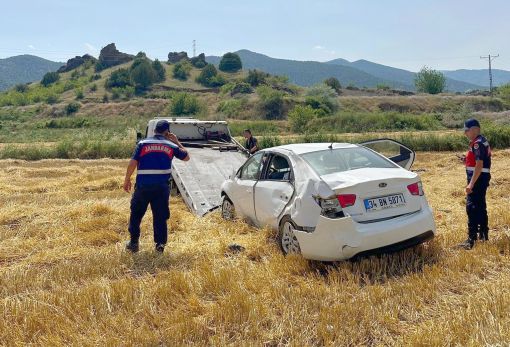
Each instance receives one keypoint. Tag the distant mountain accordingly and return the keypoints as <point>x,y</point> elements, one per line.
<point>480,77</point>
<point>403,76</point>
<point>306,73</point>
<point>361,73</point>
<point>23,69</point>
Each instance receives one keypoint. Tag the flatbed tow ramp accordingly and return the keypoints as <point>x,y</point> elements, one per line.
<point>214,156</point>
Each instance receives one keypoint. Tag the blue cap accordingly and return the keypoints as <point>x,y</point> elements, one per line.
<point>471,123</point>
<point>162,126</point>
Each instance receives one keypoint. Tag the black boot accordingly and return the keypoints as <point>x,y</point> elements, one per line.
<point>468,244</point>
<point>132,246</point>
<point>160,247</point>
<point>484,235</point>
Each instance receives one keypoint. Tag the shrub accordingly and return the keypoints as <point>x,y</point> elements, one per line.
<point>230,62</point>
<point>382,86</point>
<point>299,118</point>
<point>241,88</point>
<point>256,77</point>
<point>105,98</point>
<point>75,75</point>
<point>182,70</point>
<point>93,88</point>
<point>50,78</point>
<point>184,103</point>
<point>231,107</point>
<point>95,77</point>
<point>271,102</point>
<point>142,74</point>
<point>51,99</point>
<point>159,70</point>
<point>209,77</point>
<point>79,93</point>
<point>199,61</point>
<point>21,87</point>
<point>430,81</point>
<point>504,92</point>
<point>323,98</point>
<point>334,83</point>
<point>72,107</point>
<point>119,78</point>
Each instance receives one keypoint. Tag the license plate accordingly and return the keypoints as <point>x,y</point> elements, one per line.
<point>384,202</point>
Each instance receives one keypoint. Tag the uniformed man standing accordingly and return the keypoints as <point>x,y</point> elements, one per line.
<point>478,164</point>
<point>251,142</point>
<point>153,160</point>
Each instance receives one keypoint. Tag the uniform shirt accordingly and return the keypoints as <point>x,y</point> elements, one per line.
<point>250,143</point>
<point>154,156</point>
<point>479,149</point>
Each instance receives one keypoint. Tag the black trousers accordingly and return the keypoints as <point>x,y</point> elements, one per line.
<point>476,208</point>
<point>157,196</point>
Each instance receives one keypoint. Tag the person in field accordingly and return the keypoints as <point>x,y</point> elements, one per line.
<point>478,165</point>
<point>152,159</point>
<point>251,143</point>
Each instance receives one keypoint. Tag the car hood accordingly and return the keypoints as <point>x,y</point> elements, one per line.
<point>352,177</point>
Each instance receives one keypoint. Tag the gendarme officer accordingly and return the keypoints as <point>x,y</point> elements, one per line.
<point>153,160</point>
<point>478,165</point>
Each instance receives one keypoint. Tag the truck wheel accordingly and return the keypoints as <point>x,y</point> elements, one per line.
<point>286,238</point>
<point>227,209</point>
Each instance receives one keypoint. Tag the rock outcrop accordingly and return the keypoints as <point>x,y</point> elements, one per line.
<point>73,63</point>
<point>175,57</point>
<point>111,56</point>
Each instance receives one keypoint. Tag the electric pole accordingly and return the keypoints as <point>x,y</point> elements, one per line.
<point>490,58</point>
<point>194,49</point>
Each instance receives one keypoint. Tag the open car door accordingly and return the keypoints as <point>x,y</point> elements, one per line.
<point>393,150</point>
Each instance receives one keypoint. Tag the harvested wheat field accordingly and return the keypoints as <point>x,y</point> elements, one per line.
<point>65,278</point>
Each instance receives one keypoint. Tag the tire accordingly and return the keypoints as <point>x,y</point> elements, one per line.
<point>286,238</point>
<point>228,211</point>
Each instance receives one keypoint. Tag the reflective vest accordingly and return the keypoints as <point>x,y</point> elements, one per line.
<point>479,149</point>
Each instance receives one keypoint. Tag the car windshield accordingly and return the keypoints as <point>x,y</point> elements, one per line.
<point>345,159</point>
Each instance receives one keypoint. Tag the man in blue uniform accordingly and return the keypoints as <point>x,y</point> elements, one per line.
<point>153,160</point>
<point>478,165</point>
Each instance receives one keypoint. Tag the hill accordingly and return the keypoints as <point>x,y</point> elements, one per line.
<point>361,73</point>
<point>404,77</point>
<point>23,69</point>
<point>480,77</point>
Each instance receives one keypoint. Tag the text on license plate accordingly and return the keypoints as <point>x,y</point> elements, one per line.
<point>384,202</point>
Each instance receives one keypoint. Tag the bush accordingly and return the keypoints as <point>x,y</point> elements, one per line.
<point>93,88</point>
<point>209,77</point>
<point>119,79</point>
<point>256,77</point>
<point>72,107</point>
<point>299,118</point>
<point>271,102</point>
<point>143,74</point>
<point>504,92</point>
<point>334,83</point>
<point>159,70</point>
<point>382,86</point>
<point>51,99</point>
<point>50,78</point>
<point>95,77</point>
<point>184,104</point>
<point>182,70</point>
<point>21,87</point>
<point>430,81</point>
<point>79,94</point>
<point>230,62</point>
<point>322,97</point>
<point>75,75</point>
<point>231,107</point>
<point>241,88</point>
<point>105,98</point>
<point>199,61</point>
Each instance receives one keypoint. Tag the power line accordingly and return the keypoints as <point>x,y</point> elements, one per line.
<point>490,58</point>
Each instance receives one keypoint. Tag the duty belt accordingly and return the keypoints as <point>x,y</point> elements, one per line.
<point>154,172</point>
<point>472,169</point>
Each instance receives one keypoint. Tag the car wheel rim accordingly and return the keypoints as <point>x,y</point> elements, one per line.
<point>290,243</point>
<point>227,210</point>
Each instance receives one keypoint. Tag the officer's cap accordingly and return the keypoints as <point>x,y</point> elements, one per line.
<point>471,123</point>
<point>162,126</point>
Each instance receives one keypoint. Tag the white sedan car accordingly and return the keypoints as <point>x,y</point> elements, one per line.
<point>333,201</point>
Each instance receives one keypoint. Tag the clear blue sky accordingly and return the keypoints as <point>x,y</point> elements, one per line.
<point>401,33</point>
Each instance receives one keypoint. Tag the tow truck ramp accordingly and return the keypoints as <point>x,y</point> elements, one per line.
<point>214,156</point>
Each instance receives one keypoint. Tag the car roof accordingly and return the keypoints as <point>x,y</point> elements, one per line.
<point>301,148</point>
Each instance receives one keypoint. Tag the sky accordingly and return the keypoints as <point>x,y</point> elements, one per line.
<point>408,34</point>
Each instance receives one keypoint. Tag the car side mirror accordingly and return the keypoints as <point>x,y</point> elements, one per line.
<point>138,137</point>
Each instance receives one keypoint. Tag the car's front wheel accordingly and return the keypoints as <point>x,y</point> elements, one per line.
<point>227,209</point>
<point>286,238</point>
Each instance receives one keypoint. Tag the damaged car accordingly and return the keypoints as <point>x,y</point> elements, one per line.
<point>333,201</point>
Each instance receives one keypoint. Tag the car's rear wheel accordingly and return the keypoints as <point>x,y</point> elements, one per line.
<point>228,211</point>
<point>286,238</point>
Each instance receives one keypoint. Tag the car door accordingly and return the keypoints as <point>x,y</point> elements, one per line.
<point>274,190</point>
<point>393,150</point>
<point>245,180</point>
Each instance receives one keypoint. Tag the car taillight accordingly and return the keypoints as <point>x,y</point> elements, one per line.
<point>330,207</point>
<point>415,188</point>
<point>346,200</point>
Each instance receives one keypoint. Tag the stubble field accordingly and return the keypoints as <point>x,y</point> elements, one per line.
<point>65,278</point>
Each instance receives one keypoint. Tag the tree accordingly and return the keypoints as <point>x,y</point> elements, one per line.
<point>119,79</point>
<point>334,83</point>
<point>49,78</point>
<point>181,70</point>
<point>429,81</point>
<point>184,103</point>
<point>230,62</point>
<point>143,74</point>
<point>300,116</point>
<point>209,77</point>
<point>256,78</point>
<point>272,102</point>
<point>322,98</point>
<point>159,70</point>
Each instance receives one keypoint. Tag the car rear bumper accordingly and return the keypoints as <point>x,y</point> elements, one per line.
<point>343,238</point>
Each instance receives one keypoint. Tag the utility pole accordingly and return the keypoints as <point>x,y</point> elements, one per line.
<point>194,48</point>
<point>490,58</point>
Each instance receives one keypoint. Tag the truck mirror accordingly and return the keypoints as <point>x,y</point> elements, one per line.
<point>138,137</point>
